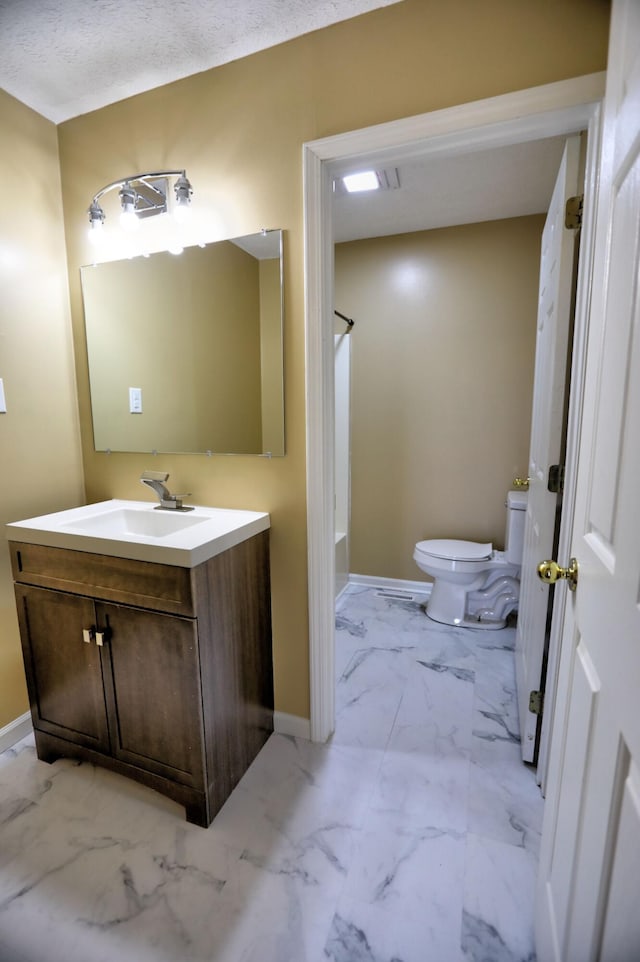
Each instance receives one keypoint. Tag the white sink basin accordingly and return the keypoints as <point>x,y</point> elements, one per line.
<point>153,524</point>
<point>137,530</point>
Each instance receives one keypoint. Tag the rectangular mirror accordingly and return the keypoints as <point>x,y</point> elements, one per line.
<point>186,351</point>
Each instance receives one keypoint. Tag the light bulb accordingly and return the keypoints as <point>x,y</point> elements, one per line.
<point>183,191</point>
<point>96,233</point>
<point>181,212</point>
<point>96,220</point>
<point>128,218</point>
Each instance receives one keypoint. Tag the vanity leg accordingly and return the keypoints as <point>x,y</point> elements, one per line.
<point>44,750</point>
<point>197,812</point>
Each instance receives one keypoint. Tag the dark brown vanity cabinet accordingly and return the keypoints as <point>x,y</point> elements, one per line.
<point>158,672</point>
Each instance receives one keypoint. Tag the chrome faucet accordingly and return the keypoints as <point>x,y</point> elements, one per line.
<point>168,502</point>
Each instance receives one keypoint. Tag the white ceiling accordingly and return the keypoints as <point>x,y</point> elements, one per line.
<point>64,58</point>
<point>67,57</point>
<point>445,191</point>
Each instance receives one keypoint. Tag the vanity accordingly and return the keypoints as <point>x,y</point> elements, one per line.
<point>146,638</point>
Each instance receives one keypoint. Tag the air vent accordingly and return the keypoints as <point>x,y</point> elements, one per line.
<point>396,595</point>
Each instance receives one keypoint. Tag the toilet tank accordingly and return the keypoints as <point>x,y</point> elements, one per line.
<point>516,517</point>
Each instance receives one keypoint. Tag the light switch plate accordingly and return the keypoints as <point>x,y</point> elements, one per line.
<point>135,400</point>
<point>3,403</point>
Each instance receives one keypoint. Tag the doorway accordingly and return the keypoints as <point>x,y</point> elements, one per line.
<point>562,108</point>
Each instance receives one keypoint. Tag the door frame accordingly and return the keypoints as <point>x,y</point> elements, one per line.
<point>564,107</point>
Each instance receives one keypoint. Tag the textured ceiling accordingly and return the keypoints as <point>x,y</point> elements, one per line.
<point>67,57</point>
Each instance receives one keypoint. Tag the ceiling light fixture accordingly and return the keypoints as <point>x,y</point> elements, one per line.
<point>141,196</point>
<point>366,180</point>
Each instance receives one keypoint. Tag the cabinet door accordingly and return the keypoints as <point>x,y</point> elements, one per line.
<point>153,691</point>
<point>64,672</point>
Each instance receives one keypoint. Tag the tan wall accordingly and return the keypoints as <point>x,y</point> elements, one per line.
<point>238,130</point>
<point>40,459</point>
<point>442,378</point>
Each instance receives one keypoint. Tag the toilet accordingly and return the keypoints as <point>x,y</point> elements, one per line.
<point>476,586</point>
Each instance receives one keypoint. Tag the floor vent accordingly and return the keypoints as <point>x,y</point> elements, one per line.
<point>398,595</point>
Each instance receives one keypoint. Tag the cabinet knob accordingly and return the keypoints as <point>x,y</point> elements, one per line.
<point>87,635</point>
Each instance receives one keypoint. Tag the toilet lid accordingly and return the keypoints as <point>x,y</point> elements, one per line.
<point>451,550</point>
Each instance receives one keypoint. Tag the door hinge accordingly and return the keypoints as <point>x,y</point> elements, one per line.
<point>536,700</point>
<point>555,482</point>
<point>573,212</point>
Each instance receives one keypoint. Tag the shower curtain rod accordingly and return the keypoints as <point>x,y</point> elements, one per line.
<point>344,317</point>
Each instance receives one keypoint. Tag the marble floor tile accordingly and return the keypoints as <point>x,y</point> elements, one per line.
<point>411,836</point>
<point>505,803</point>
<point>495,689</point>
<point>418,785</point>
<point>425,771</point>
<point>100,868</point>
<point>368,696</point>
<point>386,610</point>
<point>452,648</point>
<point>493,726</point>
<point>437,694</point>
<point>503,639</point>
<point>499,892</point>
<point>271,914</point>
<point>403,895</point>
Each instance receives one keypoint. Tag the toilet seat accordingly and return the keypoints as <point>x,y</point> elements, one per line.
<point>449,549</point>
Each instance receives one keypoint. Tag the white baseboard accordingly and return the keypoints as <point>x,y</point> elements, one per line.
<point>14,731</point>
<point>393,584</point>
<point>285,724</point>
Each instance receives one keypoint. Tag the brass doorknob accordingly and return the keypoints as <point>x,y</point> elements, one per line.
<point>551,571</point>
<point>521,482</point>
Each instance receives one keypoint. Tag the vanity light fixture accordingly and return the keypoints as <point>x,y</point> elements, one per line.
<point>128,216</point>
<point>183,192</point>
<point>96,221</point>
<point>142,195</point>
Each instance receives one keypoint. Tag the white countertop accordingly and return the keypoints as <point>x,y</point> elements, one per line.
<point>138,530</point>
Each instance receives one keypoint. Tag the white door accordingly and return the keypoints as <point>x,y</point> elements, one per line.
<point>588,904</point>
<point>547,419</point>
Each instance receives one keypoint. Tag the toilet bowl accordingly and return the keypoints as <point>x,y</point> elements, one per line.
<point>475,586</point>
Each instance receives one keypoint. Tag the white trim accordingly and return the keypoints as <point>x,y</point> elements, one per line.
<point>319,348</point>
<point>545,111</point>
<point>284,724</point>
<point>563,107</point>
<point>393,584</point>
<point>16,730</point>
